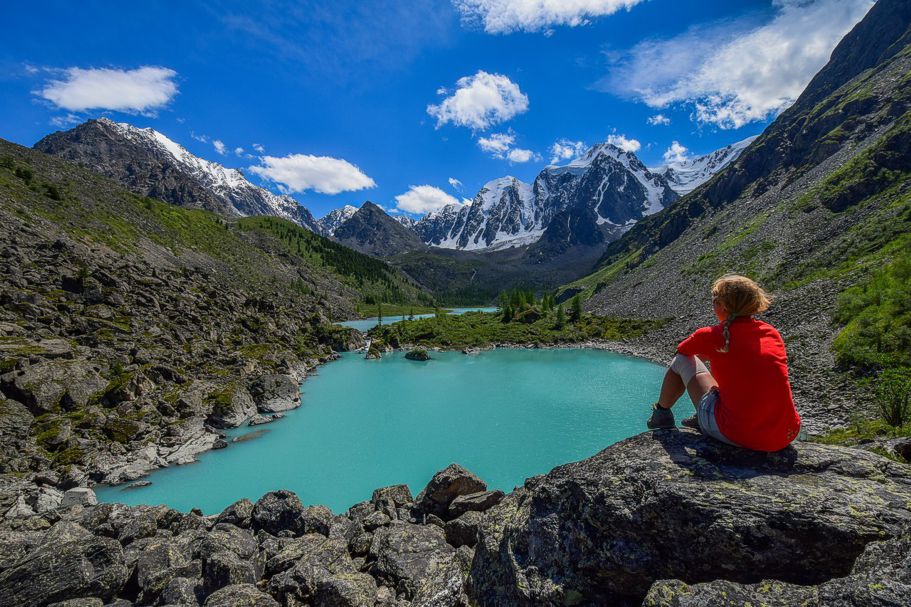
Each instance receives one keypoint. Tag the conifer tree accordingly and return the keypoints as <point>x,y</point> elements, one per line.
<point>576,313</point>
<point>379,313</point>
<point>561,317</point>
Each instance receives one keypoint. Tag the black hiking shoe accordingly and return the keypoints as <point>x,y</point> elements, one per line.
<point>661,418</point>
<point>690,422</point>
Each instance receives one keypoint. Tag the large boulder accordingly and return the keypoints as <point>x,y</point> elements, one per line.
<point>417,562</point>
<point>54,384</point>
<point>676,505</point>
<point>231,406</point>
<point>445,486</point>
<point>881,576</point>
<point>477,502</point>
<point>275,392</point>
<point>69,563</point>
<point>240,595</point>
<point>313,560</point>
<point>277,511</point>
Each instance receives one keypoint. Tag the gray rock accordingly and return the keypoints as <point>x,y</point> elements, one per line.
<point>346,590</point>
<point>181,591</point>
<point>232,407</point>
<point>226,569</point>
<point>239,514</point>
<point>273,393</point>
<point>314,560</point>
<point>312,547</point>
<point>463,531</point>
<point>880,576</point>
<point>54,384</point>
<point>477,502</point>
<point>278,511</point>
<point>676,505</point>
<point>417,562</point>
<point>240,595</point>
<point>418,354</point>
<point>445,486</point>
<point>82,496</point>
<point>70,563</point>
<point>228,538</point>
<point>85,602</point>
<point>315,519</point>
<point>158,563</point>
<point>399,495</point>
<point>376,520</point>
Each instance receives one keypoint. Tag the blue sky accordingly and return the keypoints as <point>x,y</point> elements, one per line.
<point>345,101</point>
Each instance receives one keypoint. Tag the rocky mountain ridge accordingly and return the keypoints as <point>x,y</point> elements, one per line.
<point>330,222</point>
<point>686,174</point>
<point>132,330</point>
<point>815,205</point>
<point>150,164</point>
<point>372,231</point>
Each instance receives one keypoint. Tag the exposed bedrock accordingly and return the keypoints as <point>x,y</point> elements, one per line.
<point>669,518</point>
<point>675,505</point>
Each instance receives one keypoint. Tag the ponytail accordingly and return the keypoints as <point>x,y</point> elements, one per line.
<point>727,333</point>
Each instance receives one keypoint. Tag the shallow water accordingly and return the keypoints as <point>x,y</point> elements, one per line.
<point>365,324</point>
<point>503,414</point>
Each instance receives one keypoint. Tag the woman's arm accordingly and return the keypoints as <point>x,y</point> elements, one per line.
<point>702,343</point>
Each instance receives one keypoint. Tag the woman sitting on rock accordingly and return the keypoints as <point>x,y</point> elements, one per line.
<point>746,400</point>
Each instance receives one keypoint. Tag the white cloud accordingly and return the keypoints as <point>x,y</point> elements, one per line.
<point>455,183</point>
<point>480,101</point>
<point>675,153</point>
<point>497,144</point>
<point>323,174</point>
<point>565,149</point>
<point>520,155</point>
<point>239,151</point>
<point>66,121</point>
<point>659,119</point>
<point>505,16</point>
<point>142,90</point>
<point>627,145</point>
<point>220,147</point>
<point>258,148</point>
<point>735,72</point>
<point>421,199</point>
<point>203,138</point>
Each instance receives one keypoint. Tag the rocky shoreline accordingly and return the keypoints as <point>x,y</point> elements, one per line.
<point>680,520</point>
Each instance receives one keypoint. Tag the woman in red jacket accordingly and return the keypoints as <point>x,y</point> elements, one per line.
<point>746,399</point>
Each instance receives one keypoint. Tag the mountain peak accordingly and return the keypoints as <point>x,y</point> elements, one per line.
<point>151,164</point>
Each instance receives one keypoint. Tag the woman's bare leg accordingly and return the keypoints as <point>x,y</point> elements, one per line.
<point>671,389</point>
<point>699,386</point>
<point>673,386</point>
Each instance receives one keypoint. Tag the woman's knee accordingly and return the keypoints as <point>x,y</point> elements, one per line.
<point>687,367</point>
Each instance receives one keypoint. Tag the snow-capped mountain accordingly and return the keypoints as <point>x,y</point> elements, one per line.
<point>335,218</point>
<point>688,174</point>
<point>503,214</point>
<point>151,164</point>
<point>607,186</point>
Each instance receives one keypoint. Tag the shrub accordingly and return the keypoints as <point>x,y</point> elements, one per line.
<point>893,396</point>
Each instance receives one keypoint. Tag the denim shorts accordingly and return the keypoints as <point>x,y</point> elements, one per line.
<point>705,413</point>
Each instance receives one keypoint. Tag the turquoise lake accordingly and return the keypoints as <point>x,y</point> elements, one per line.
<point>504,414</point>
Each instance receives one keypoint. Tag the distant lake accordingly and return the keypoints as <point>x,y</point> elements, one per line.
<point>504,414</point>
<point>365,324</point>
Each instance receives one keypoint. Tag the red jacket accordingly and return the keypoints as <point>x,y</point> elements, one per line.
<point>756,409</point>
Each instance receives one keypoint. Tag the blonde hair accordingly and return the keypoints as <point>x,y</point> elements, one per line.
<point>739,296</point>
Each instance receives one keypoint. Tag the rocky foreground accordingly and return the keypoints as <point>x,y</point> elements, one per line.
<point>668,518</point>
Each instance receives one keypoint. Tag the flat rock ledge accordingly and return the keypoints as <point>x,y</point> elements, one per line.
<point>674,505</point>
<point>664,519</point>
